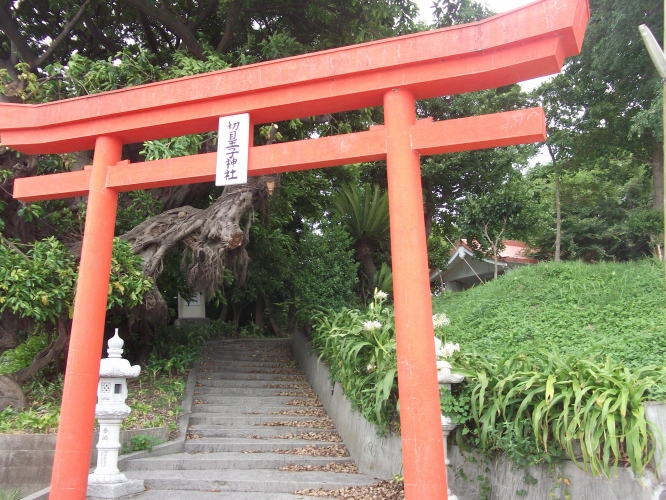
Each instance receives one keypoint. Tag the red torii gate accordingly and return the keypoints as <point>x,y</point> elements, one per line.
<point>526,43</point>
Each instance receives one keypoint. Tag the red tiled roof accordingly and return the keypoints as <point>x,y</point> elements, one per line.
<point>514,251</point>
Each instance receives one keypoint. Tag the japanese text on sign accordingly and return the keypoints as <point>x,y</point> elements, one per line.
<point>232,150</point>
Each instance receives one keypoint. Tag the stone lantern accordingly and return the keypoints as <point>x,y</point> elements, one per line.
<point>107,481</point>
<point>446,378</point>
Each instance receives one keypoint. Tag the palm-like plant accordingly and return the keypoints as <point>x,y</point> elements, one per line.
<point>364,212</point>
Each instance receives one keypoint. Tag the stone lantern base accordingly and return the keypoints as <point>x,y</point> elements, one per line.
<point>114,490</point>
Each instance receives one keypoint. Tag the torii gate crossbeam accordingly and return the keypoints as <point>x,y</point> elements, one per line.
<point>526,43</point>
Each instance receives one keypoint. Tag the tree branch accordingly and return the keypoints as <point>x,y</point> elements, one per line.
<point>98,35</point>
<point>232,16</point>
<point>151,41</point>
<point>13,32</point>
<point>205,12</point>
<point>45,356</point>
<point>14,247</point>
<point>173,23</point>
<point>61,37</point>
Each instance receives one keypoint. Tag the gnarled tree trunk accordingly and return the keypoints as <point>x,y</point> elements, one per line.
<point>210,234</point>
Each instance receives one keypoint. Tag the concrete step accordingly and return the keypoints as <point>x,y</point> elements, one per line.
<point>212,398</point>
<point>268,361</point>
<point>233,409</point>
<point>243,341</point>
<point>217,444</point>
<point>242,431</point>
<point>264,480</point>
<point>206,495</point>
<point>207,419</point>
<point>221,390</point>
<point>260,376</point>
<point>229,460</point>
<point>279,370</point>
<point>231,403</point>
<point>250,377</point>
<point>252,362</point>
<point>260,384</point>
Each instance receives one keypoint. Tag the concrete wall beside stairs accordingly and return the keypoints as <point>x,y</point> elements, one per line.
<point>26,460</point>
<point>471,476</point>
<point>379,456</point>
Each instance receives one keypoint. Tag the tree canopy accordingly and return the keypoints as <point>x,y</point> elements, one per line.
<point>604,125</point>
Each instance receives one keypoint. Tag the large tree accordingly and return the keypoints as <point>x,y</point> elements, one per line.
<point>604,119</point>
<point>59,49</point>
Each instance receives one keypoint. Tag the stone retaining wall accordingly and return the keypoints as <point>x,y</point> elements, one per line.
<point>374,455</point>
<point>26,460</point>
<point>472,476</point>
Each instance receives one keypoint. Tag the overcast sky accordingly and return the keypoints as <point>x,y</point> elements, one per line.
<point>425,6</point>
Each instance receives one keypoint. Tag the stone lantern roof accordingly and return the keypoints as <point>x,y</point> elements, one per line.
<point>114,365</point>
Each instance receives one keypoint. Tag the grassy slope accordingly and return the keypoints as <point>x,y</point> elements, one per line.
<point>614,308</point>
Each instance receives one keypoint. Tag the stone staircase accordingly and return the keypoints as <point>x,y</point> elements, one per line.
<point>257,431</point>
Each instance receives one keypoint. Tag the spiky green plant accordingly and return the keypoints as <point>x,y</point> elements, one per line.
<point>359,348</point>
<point>364,212</point>
<point>554,399</point>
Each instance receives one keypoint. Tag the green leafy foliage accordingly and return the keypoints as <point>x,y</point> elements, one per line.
<point>530,401</point>
<point>22,355</point>
<point>142,205</point>
<point>327,272</point>
<point>607,212</point>
<point>139,443</point>
<point>10,495</point>
<point>41,284</point>
<point>127,283</point>
<point>43,420</point>
<point>364,212</point>
<point>359,348</point>
<point>486,220</point>
<point>42,416</point>
<point>174,350</point>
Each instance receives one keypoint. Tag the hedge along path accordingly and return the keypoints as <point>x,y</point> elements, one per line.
<point>522,44</point>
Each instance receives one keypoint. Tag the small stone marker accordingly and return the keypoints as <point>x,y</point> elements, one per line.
<point>192,312</point>
<point>11,394</point>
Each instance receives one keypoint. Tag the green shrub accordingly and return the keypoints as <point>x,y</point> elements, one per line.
<point>10,495</point>
<point>534,391</point>
<point>139,443</point>
<point>327,272</point>
<point>608,307</point>
<point>41,284</point>
<point>41,420</point>
<point>532,401</point>
<point>176,349</point>
<point>359,348</point>
<point>22,355</point>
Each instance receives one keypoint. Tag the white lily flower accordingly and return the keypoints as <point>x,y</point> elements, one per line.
<point>369,326</point>
<point>439,320</point>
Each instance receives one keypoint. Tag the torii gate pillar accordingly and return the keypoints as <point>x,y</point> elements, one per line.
<point>69,478</point>
<point>420,425</point>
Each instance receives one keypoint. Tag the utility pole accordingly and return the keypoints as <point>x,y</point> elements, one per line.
<point>659,60</point>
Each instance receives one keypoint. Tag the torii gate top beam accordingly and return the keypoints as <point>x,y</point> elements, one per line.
<point>525,43</point>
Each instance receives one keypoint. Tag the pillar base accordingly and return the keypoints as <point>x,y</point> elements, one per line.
<point>115,490</point>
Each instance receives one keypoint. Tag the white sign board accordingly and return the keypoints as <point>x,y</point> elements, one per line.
<point>232,149</point>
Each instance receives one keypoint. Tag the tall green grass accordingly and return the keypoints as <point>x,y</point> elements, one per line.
<point>609,308</point>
